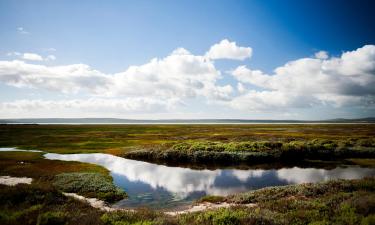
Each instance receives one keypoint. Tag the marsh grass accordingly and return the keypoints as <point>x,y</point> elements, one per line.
<point>92,185</point>
<point>333,202</point>
<point>42,204</point>
<point>32,164</point>
<point>256,152</point>
<point>119,139</point>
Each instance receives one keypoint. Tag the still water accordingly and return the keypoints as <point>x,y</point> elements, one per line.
<point>160,186</point>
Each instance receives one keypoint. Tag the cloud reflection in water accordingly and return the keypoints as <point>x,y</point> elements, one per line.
<point>138,177</point>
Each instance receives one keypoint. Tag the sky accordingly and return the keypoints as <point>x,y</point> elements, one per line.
<point>187,59</point>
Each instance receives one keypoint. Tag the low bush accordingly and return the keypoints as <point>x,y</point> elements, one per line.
<point>90,185</point>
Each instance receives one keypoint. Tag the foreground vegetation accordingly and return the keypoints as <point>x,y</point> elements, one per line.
<point>43,202</point>
<point>85,179</point>
<point>334,202</point>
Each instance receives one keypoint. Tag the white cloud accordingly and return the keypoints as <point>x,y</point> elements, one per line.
<point>180,74</point>
<point>66,79</point>
<point>347,80</point>
<point>321,55</point>
<point>50,58</point>
<point>14,54</point>
<point>32,57</point>
<point>241,88</point>
<point>228,50</point>
<point>86,107</point>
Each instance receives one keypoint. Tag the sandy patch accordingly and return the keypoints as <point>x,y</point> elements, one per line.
<point>207,206</point>
<point>94,202</point>
<point>99,204</point>
<point>11,181</point>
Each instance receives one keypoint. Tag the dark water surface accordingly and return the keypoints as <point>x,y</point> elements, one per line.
<point>160,186</point>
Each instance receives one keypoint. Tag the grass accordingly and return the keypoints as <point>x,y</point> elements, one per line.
<point>122,138</point>
<point>86,179</point>
<point>334,202</point>
<point>233,144</point>
<point>253,152</point>
<point>42,202</point>
<point>89,184</point>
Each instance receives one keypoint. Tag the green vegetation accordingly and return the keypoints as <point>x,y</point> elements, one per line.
<point>251,152</point>
<point>334,202</point>
<point>117,139</point>
<point>42,202</point>
<point>86,179</point>
<point>231,144</point>
<point>89,184</point>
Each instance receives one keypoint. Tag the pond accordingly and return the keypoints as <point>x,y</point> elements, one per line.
<point>159,186</point>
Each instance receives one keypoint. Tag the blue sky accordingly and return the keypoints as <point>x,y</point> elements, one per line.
<point>111,36</point>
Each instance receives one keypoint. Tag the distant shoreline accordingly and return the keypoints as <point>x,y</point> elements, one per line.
<point>113,121</point>
<point>197,123</point>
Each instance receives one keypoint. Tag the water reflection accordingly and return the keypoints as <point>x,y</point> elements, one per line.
<point>17,150</point>
<point>158,186</point>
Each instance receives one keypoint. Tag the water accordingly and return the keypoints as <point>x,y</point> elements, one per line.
<point>160,186</point>
<point>17,150</point>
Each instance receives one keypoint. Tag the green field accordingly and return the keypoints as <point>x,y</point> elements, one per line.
<point>200,144</point>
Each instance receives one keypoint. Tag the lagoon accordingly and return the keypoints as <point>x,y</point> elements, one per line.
<point>159,186</point>
<point>166,187</point>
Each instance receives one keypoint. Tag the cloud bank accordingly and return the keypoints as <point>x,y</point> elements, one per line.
<point>163,83</point>
<point>347,80</point>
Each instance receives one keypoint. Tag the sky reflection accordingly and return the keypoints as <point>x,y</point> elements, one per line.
<point>150,184</point>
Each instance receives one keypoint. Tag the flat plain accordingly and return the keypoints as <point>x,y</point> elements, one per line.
<point>195,146</point>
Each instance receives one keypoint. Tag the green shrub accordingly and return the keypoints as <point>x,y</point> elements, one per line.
<point>90,185</point>
<point>141,217</point>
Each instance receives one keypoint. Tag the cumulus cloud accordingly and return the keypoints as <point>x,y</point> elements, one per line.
<point>181,74</point>
<point>347,80</point>
<point>229,50</point>
<point>32,57</point>
<point>321,55</point>
<point>339,81</point>
<point>66,79</point>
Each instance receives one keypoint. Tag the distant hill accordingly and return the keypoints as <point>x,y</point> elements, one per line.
<point>196,121</point>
